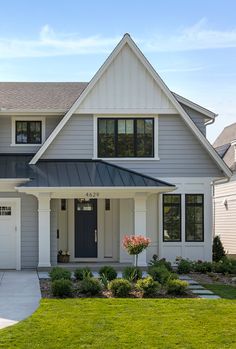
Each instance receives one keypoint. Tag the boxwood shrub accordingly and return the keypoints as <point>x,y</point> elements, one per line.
<point>58,273</point>
<point>177,287</point>
<point>90,286</point>
<point>82,273</point>
<point>148,286</point>
<point>120,287</point>
<point>62,288</point>
<point>109,272</point>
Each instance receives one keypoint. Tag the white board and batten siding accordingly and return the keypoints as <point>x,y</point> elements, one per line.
<point>126,86</point>
<point>225,214</point>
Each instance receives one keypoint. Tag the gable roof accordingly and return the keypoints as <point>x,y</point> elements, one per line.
<point>33,96</point>
<point>225,147</point>
<point>127,40</point>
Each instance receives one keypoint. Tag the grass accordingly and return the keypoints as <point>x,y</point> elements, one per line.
<point>126,323</point>
<point>224,291</point>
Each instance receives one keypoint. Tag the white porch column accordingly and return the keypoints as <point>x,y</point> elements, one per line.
<point>140,222</point>
<point>44,230</point>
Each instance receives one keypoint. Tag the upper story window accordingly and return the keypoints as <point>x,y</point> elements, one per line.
<point>126,137</point>
<point>28,130</point>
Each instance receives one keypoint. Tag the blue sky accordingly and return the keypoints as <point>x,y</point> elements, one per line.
<point>191,44</point>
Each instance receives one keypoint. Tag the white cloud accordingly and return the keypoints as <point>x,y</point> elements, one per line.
<point>196,37</point>
<point>50,43</point>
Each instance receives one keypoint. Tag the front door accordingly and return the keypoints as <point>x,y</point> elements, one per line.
<point>85,228</point>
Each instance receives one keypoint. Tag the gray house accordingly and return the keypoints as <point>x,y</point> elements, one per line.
<point>225,191</point>
<point>84,164</point>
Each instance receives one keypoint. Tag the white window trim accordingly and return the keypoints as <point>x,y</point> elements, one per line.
<point>95,137</point>
<point>27,118</point>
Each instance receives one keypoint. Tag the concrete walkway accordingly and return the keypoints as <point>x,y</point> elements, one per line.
<point>19,296</point>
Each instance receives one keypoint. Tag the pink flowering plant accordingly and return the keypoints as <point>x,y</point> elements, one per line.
<point>135,244</point>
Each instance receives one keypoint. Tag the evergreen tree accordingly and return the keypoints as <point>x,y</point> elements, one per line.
<point>218,250</point>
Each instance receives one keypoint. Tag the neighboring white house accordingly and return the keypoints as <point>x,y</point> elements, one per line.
<point>83,164</point>
<point>225,191</point>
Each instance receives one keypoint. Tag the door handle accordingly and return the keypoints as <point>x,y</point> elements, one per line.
<point>95,235</point>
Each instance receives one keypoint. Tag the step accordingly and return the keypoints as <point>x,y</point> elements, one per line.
<point>196,287</point>
<point>210,296</point>
<point>202,292</point>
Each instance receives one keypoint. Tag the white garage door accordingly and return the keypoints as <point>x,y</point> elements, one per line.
<point>8,233</point>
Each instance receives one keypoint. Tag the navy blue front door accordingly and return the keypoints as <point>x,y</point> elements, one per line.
<point>85,228</point>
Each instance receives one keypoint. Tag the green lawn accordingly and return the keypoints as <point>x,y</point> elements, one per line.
<point>126,323</point>
<point>224,291</point>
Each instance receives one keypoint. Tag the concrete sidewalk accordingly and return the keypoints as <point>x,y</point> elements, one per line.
<point>19,296</point>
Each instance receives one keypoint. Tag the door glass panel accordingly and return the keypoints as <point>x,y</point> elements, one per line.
<point>5,210</point>
<point>84,205</point>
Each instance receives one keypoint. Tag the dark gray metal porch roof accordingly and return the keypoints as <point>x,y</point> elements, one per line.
<point>73,173</point>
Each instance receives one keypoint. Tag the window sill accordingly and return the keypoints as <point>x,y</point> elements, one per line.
<point>127,159</point>
<point>25,145</point>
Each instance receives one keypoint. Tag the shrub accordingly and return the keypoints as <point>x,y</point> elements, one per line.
<point>148,286</point>
<point>184,266</point>
<point>109,272</point>
<point>218,251</point>
<point>90,286</point>
<point>160,274</point>
<point>132,273</point>
<point>177,287</point>
<point>225,266</point>
<point>58,273</point>
<point>62,288</point>
<point>159,262</point>
<point>202,267</point>
<point>120,287</point>
<point>82,273</point>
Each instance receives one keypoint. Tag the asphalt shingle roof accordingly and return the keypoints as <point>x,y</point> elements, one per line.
<point>39,95</point>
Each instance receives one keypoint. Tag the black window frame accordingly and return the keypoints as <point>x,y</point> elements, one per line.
<point>28,131</point>
<point>203,219</point>
<point>135,137</point>
<point>163,215</point>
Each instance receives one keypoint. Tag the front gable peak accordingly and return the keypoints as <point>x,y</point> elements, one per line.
<point>126,86</point>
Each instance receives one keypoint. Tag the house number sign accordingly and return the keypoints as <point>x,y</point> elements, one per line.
<point>92,195</point>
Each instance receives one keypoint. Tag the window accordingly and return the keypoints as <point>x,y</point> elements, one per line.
<point>194,217</point>
<point>107,204</point>
<point>125,137</point>
<point>171,217</point>
<point>63,204</point>
<point>28,132</point>
<point>5,211</point>
<point>85,205</point>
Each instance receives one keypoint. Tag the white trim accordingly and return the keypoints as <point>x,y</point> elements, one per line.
<point>127,40</point>
<point>17,202</point>
<point>27,118</point>
<point>195,106</point>
<point>95,137</point>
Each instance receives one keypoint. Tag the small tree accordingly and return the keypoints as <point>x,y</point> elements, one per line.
<point>135,244</point>
<point>218,251</point>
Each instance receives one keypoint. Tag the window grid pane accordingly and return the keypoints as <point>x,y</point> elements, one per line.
<point>132,137</point>
<point>28,132</point>
<point>194,217</point>
<point>171,217</point>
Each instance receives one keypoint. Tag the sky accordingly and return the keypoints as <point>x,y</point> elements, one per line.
<point>191,44</point>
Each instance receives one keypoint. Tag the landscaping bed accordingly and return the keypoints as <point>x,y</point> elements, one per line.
<point>160,282</point>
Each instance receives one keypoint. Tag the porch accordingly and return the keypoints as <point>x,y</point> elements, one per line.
<point>87,207</point>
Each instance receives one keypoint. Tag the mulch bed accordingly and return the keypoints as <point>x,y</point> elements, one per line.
<point>214,278</point>
<point>45,286</point>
